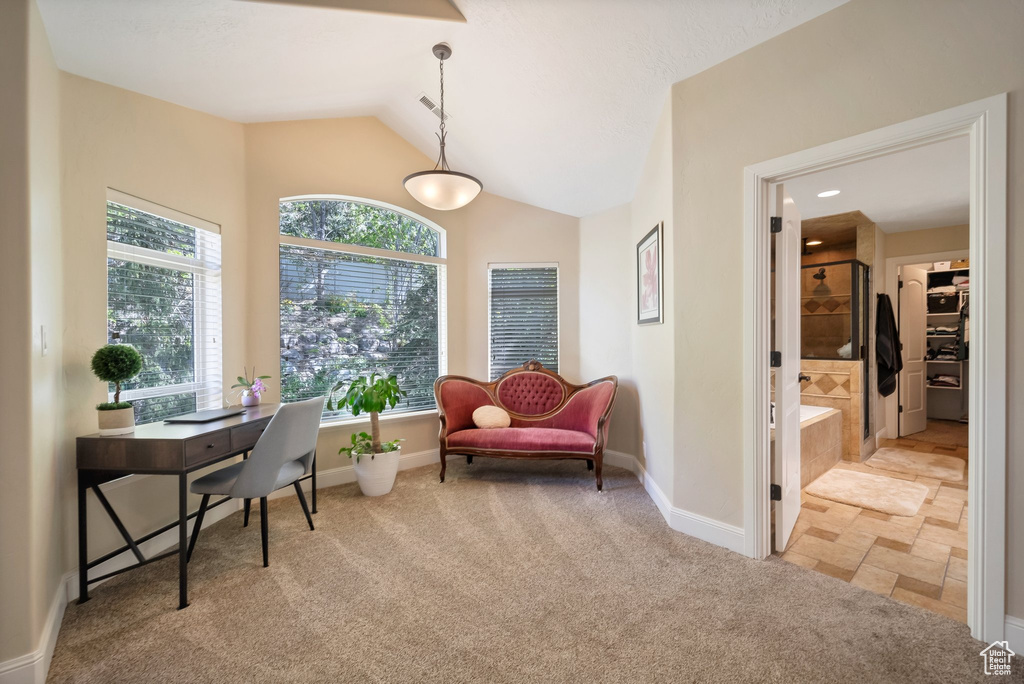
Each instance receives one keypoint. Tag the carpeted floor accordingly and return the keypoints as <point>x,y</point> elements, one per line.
<point>508,572</point>
<point>945,432</point>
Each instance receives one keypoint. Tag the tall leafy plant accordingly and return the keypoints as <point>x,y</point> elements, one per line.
<point>372,395</point>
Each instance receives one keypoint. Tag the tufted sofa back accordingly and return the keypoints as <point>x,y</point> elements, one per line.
<point>530,394</point>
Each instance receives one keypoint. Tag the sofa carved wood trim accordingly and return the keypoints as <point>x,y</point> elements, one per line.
<point>551,418</point>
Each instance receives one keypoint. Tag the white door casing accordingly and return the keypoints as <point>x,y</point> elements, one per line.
<point>914,376</point>
<point>787,376</point>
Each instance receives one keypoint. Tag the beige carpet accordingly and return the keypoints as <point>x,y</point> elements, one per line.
<point>507,572</point>
<point>946,432</point>
<point>937,466</point>
<point>877,492</point>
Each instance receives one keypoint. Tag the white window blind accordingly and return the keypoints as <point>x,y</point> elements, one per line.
<point>523,316</point>
<point>376,303</point>
<point>164,298</point>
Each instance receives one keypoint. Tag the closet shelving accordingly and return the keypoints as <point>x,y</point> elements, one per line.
<point>956,368</point>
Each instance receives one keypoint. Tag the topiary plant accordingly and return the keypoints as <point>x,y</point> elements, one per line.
<point>373,395</point>
<point>116,363</point>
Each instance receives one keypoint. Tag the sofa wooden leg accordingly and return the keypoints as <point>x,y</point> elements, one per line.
<point>444,465</point>
<point>590,464</point>
<point>597,470</point>
<point>469,459</point>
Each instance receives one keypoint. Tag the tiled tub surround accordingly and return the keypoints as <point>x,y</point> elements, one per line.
<point>821,436</point>
<point>837,384</point>
<point>821,444</point>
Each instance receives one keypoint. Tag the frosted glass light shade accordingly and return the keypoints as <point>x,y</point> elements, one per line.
<point>443,190</point>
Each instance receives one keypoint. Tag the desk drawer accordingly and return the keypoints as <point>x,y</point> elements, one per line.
<point>207,447</point>
<point>246,436</point>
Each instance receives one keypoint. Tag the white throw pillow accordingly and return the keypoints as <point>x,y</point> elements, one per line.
<point>491,417</point>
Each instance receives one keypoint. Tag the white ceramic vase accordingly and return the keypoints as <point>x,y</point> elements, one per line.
<point>116,422</point>
<point>376,474</point>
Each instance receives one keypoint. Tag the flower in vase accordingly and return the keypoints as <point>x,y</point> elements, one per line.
<point>258,388</point>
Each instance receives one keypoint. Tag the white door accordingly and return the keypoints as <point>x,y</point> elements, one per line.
<point>914,377</point>
<point>787,376</point>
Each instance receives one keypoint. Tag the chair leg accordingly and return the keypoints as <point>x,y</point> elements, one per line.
<point>302,502</point>
<point>469,459</point>
<point>198,526</point>
<point>264,531</point>
<point>444,463</point>
<point>245,519</point>
<point>599,457</point>
<point>590,464</point>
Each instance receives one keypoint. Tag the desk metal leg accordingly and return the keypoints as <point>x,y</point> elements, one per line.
<point>314,482</point>
<point>182,541</point>
<point>83,544</point>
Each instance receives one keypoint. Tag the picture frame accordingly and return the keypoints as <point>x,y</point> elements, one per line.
<point>650,277</point>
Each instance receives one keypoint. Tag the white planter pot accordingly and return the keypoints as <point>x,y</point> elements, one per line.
<point>376,475</point>
<point>116,422</point>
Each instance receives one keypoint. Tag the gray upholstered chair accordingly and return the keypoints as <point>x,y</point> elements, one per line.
<point>282,456</point>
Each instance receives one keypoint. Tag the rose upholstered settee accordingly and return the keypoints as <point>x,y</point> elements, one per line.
<point>550,418</point>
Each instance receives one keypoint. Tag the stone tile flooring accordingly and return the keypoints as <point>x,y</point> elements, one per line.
<point>921,560</point>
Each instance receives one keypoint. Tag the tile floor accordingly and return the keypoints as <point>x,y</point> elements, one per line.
<point>920,560</point>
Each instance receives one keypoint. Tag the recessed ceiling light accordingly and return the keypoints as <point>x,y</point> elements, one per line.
<point>813,243</point>
<point>828,193</point>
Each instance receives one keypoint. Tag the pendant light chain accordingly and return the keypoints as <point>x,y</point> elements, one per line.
<point>442,161</point>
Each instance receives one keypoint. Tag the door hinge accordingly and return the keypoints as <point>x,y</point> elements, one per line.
<point>901,408</point>
<point>776,223</point>
<point>776,492</point>
<point>901,285</point>
<point>776,359</point>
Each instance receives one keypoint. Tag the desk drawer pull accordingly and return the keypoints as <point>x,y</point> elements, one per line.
<point>210,446</point>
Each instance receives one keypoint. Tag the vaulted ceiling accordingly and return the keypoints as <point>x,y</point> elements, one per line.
<point>551,102</point>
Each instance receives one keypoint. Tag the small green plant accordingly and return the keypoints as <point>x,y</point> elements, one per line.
<point>116,363</point>
<point>372,395</point>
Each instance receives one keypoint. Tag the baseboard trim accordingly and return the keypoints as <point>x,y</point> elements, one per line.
<point>33,667</point>
<point>680,520</point>
<point>1013,632</point>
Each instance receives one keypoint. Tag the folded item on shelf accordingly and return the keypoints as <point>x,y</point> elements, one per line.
<point>965,285</point>
<point>942,289</point>
<point>944,381</point>
<point>957,279</point>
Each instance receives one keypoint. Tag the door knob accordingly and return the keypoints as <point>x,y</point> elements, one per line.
<point>801,378</point>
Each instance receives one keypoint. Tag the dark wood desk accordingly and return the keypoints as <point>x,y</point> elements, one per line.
<point>160,449</point>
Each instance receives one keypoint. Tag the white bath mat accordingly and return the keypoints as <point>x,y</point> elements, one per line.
<point>937,466</point>
<point>877,492</point>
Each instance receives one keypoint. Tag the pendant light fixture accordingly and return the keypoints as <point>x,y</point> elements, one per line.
<point>441,188</point>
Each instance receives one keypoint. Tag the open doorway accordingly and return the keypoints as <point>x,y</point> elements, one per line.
<point>888,515</point>
<point>978,579</point>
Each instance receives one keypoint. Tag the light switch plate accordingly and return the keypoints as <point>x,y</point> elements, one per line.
<point>42,339</point>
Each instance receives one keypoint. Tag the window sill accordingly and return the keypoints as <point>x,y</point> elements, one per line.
<point>384,418</point>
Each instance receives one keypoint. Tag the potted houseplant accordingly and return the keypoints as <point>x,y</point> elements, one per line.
<point>116,363</point>
<point>252,389</point>
<point>376,462</point>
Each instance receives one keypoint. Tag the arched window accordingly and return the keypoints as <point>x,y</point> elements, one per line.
<point>362,289</point>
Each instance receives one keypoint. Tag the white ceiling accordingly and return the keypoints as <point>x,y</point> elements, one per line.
<point>926,187</point>
<point>552,102</point>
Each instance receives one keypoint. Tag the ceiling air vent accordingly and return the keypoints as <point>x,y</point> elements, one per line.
<point>432,106</point>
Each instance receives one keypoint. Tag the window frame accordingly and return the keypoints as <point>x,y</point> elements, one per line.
<point>492,266</point>
<point>207,278</point>
<point>440,261</point>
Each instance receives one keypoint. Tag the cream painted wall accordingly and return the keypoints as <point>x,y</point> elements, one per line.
<point>18,631</point>
<point>909,59</point>
<point>611,341</point>
<point>361,157</point>
<point>48,427</point>
<point>928,241</point>
<point>608,315</point>
<point>175,157</point>
<point>653,344</point>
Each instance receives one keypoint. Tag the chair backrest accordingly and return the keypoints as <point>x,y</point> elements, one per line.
<point>290,436</point>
